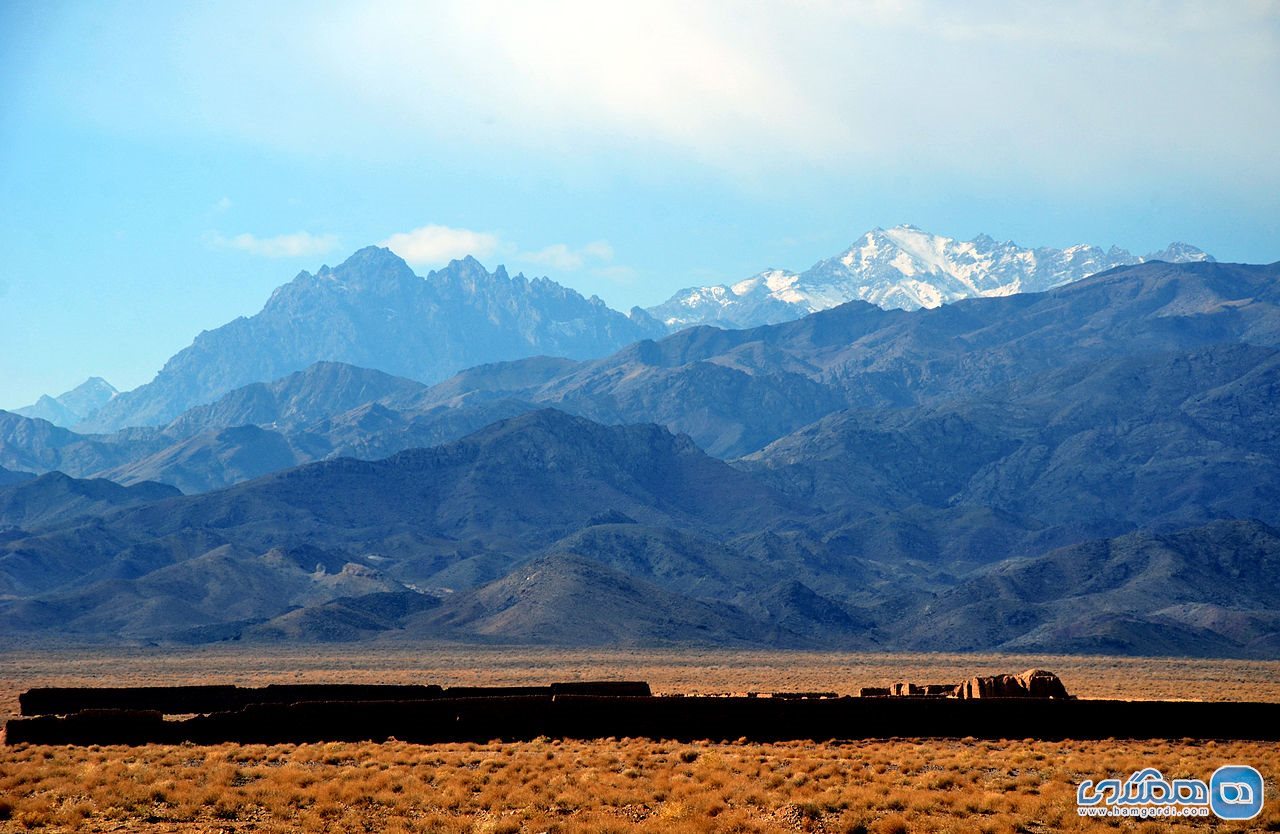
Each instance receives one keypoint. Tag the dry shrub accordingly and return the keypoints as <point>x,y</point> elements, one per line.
<point>629,784</point>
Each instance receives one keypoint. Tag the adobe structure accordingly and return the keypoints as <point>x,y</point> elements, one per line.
<point>1033,683</point>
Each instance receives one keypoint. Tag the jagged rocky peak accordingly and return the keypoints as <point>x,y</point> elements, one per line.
<point>373,311</point>
<point>373,259</point>
<point>1180,253</point>
<point>373,270</point>
<point>370,268</point>
<point>467,267</point>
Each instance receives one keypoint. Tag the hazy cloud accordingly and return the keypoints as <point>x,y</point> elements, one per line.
<point>434,244</point>
<point>599,249</point>
<point>1125,88</point>
<point>564,75</point>
<point>616,274</point>
<point>561,256</point>
<point>293,245</point>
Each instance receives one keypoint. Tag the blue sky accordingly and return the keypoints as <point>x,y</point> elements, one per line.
<point>164,166</point>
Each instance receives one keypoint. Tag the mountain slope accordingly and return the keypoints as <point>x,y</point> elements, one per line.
<point>1116,596</point>
<point>54,497</point>
<point>223,457</point>
<point>673,559</point>
<point>36,445</point>
<point>318,391</point>
<point>214,594</point>
<point>1142,441</point>
<point>75,405</point>
<point>217,458</point>
<point>48,408</point>
<point>9,477</point>
<point>373,312</point>
<point>564,599</point>
<point>904,268</point>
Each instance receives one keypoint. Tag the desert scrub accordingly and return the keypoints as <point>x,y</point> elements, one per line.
<point>581,786</point>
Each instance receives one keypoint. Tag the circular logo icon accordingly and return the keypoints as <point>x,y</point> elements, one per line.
<point>1235,792</point>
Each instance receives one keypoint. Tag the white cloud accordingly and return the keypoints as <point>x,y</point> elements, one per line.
<point>222,205</point>
<point>434,244</point>
<point>294,245</point>
<point>561,256</point>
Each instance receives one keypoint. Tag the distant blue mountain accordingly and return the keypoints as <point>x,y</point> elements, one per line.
<point>66,410</point>
<point>374,312</point>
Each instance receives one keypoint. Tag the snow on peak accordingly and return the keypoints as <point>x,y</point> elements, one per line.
<point>901,267</point>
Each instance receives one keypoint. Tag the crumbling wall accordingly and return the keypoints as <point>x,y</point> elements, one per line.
<point>1033,683</point>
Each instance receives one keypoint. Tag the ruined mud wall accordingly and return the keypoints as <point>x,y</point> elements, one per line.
<point>527,716</point>
<point>185,700</point>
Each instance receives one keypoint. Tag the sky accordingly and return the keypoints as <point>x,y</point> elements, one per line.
<point>164,166</point>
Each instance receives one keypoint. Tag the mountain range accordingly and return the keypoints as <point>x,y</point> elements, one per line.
<point>857,356</point>
<point>900,268</point>
<point>327,410</point>
<point>861,356</point>
<point>1021,472</point>
<point>548,528</point>
<point>373,311</point>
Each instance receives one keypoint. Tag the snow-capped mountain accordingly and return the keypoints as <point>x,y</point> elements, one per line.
<point>904,267</point>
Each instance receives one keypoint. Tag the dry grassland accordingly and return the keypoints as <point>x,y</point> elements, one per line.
<point>550,785</point>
